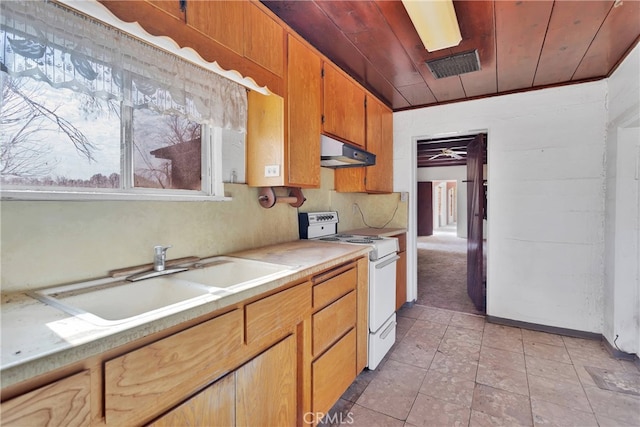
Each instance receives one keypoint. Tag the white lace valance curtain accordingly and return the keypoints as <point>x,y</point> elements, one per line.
<point>48,42</point>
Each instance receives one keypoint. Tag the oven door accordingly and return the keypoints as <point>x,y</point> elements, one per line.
<point>382,290</point>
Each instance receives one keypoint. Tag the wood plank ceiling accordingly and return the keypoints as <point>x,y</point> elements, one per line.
<point>522,45</point>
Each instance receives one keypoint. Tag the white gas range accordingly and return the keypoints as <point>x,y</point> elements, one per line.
<point>323,226</point>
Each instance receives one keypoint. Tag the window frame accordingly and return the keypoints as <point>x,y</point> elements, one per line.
<point>212,184</point>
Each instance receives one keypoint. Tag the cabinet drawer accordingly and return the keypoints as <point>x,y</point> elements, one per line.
<point>278,312</point>
<point>332,289</point>
<point>146,381</point>
<point>333,372</point>
<point>333,321</point>
<point>63,403</point>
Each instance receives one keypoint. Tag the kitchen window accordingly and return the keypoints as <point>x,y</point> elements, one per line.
<point>89,112</point>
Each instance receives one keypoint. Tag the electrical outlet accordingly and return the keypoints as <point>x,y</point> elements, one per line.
<point>354,209</point>
<point>404,196</point>
<point>271,170</point>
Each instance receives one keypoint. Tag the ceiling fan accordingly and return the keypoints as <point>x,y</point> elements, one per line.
<point>449,153</point>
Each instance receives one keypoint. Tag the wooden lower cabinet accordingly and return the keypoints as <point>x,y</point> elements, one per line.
<point>159,375</point>
<point>214,406</point>
<point>333,372</point>
<point>65,402</point>
<point>338,350</point>
<point>260,392</point>
<point>333,321</point>
<point>271,360</point>
<point>266,387</point>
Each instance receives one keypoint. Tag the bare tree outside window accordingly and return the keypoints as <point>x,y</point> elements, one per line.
<point>167,151</point>
<point>57,137</point>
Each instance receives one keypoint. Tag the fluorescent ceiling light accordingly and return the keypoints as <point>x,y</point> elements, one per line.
<point>435,21</point>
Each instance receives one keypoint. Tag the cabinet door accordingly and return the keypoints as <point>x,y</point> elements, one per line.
<point>343,107</point>
<point>214,406</point>
<point>266,387</point>
<point>172,7</point>
<point>304,86</point>
<point>63,403</point>
<point>265,139</point>
<point>351,180</point>
<point>263,39</point>
<point>379,142</point>
<point>221,20</point>
<point>377,178</point>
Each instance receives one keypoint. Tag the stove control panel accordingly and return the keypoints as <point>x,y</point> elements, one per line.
<point>317,224</point>
<point>322,217</point>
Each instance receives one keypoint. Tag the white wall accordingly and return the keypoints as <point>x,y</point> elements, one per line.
<point>622,230</point>
<point>545,202</point>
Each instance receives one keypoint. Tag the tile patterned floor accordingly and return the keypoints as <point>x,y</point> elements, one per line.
<point>455,369</point>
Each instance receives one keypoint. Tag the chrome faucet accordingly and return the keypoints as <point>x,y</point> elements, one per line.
<point>159,257</point>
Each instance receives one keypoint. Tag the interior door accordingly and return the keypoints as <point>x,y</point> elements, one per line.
<point>425,208</point>
<point>476,287</point>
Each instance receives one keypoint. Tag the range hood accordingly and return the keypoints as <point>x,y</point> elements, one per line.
<point>337,154</point>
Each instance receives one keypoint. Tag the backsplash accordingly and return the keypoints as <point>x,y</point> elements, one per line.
<point>50,243</point>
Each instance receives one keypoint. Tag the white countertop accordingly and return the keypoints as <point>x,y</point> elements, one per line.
<point>37,338</point>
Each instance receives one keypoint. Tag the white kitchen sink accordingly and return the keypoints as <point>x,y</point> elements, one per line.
<point>114,301</point>
<point>121,301</point>
<point>237,273</point>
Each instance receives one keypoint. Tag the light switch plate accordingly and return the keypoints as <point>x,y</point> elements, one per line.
<point>271,170</point>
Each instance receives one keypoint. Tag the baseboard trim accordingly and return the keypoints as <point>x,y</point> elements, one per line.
<point>544,328</point>
<point>614,352</point>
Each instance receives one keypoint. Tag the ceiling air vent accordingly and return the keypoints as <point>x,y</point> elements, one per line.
<point>454,65</point>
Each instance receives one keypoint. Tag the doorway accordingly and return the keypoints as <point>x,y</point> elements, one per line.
<point>443,251</point>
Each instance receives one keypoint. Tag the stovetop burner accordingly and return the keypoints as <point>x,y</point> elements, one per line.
<point>362,241</point>
<point>323,226</point>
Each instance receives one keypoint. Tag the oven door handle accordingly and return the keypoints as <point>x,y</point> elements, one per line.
<point>386,262</point>
<point>387,331</point>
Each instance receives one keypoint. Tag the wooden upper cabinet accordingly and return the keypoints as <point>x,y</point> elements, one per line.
<point>221,20</point>
<point>265,139</point>
<point>264,41</point>
<point>287,134</point>
<point>378,178</point>
<point>344,112</point>
<point>172,7</point>
<point>380,143</point>
<point>304,88</point>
